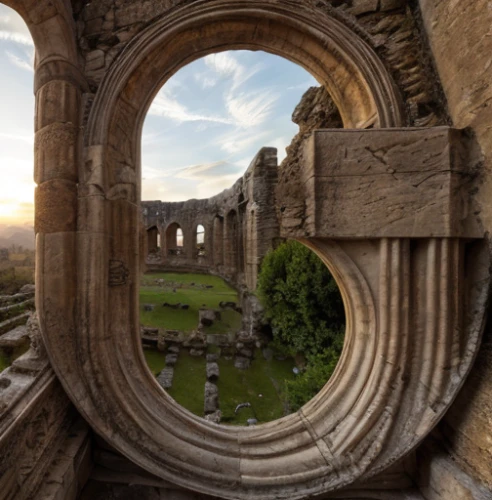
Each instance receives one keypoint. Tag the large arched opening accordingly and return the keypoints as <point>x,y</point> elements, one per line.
<point>365,96</point>
<point>332,432</point>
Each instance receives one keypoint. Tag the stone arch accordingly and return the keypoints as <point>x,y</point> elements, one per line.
<point>200,235</point>
<point>231,243</point>
<point>336,440</point>
<point>174,239</point>
<point>252,263</point>
<point>153,239</point>
<point>218,241</point>
<point>242,235</point>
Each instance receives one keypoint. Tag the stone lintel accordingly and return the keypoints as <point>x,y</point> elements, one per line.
<point>385,183</point>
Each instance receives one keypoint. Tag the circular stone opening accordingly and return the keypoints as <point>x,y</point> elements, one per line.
<point>238,325</point>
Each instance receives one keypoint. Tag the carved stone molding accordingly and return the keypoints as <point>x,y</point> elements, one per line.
<point>408,346</point>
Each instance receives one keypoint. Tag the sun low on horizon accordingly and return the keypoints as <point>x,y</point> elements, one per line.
<point>202,130</point>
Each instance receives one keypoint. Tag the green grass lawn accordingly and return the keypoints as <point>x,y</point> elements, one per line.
<point>195,296</point>
<point>156,360</point>
<point>189,382</point>
<point>4,362</point>
<point>241,386</point>
<point>235,386</point>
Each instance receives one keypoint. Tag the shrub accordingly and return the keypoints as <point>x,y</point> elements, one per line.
<point>301,299</point>
<point>305,309</point>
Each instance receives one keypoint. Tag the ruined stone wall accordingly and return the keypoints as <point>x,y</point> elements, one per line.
<point>240,227</point>
<point>105,27</point>
<point>459,34</point>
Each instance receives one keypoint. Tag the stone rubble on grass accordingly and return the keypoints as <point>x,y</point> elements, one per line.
<point>165,378</point>
<point>212,371</point>
<point>214,417</point>
<point>171,359</point>
<point>211,400</point>
<point>196,352</point>
<point>242,363</point>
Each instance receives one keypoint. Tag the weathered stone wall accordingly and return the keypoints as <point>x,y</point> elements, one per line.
<point>240,226</point>
<point>459,35</point>
<point>104,29</point>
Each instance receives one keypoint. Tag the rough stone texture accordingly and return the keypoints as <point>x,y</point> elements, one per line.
<point>165,378</point>
<point>211,401</point>
<point>382,183</point>
<point>171,359</point>
<point>242,362</point>
<point>212,370</point>
<point>214,417</point>
<point>461,46</point>
<point>206,317</point>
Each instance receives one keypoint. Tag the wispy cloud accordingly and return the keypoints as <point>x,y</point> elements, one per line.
<point>205,81</point>
<point>250,109</point>
<point>212,170</point>
<point>312,82</point>
<point>20,38</point>
<point>19,62</point>
<point>166,105</point>
<point>226,65</point>
<point>239,140</point>
<point>13,28</point>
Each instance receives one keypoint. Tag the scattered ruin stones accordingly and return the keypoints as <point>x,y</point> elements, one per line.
<point>245,352</point>
<point>196,352</point>
<point>242,363</point>
<point>214,417</point>
<point>252,421</point>
<point>148,330</point>
<point>227,305</point>
<point>28,289</point>
<point>161,343</point>
<point>171,359</point>
<point>211,402</point>
<point>179,305</point>
<point>206,317</point>
<point>212,357</point>
<point>174,349</point>
<point>148,307</point>
<point>165,378</point>
<point>212,371</point>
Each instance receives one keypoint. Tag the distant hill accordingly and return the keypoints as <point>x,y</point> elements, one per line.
<point>18,235</point>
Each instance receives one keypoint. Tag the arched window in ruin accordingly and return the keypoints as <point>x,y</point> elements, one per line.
<point>241,233</point>
<point>153,240</point>
<point>231,240</point>
<point>200,240</point>
<point>179,238</point>
<point>174,239</point>
<point>218,241</point>
<point>252,263</point>
<point>350,431</point>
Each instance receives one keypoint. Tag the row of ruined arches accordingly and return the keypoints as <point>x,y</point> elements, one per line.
<point>219,243</point>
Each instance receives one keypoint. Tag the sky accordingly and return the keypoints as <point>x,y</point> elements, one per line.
<point>201,133</point>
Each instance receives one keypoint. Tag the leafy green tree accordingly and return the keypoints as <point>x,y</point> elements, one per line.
<point>301,299</point>
<point>305,309</point>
